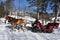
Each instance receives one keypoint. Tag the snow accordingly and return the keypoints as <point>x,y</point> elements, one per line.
<point>6,34</point>
<point>2,19</point>
<point>59,25</point>
<point>54,18</point>
<point>57,20</point>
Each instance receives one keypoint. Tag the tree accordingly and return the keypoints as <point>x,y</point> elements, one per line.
<point>55,7</point>
<point>1,9</point>
<point>9,6</point>
<point>40,4</point>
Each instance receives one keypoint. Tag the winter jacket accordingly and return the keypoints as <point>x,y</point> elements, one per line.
<point>38,25</point>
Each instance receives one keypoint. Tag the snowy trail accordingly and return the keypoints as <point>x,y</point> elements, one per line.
<point>50,36</point>
<point>5,34</point>
<point>21,36</point>
<point>18,35</point>
<point>38,37</point>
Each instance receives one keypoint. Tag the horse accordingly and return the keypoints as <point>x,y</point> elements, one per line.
<point>21,22</point>
<point>9,18</point>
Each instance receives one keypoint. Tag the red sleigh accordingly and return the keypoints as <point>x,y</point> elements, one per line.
<point>48,28</point>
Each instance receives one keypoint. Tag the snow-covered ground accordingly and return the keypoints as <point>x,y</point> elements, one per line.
<point>6,34</point>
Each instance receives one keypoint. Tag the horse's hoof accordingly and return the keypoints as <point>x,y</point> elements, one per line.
<point>24,30</point>
<point>18,30</point>
<point>12,30</point>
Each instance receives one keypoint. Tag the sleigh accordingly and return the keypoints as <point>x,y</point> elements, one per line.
<point>49,27</point>
<point>36,27</point>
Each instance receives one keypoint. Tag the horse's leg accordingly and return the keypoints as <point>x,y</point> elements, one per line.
<point>5,21</point>
<point>23,28</point>
<point>12,28</point>
<point>19,28</point>
<point>16,26</point>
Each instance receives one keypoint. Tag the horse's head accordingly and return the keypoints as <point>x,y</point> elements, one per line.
<point>8,18</point>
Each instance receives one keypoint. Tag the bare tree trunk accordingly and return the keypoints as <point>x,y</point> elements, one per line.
<point>55,11</point>
<point>37,11</point>
<point>38,15</point>
<point>42,19</point>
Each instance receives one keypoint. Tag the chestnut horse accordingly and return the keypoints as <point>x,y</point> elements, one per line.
<point>20,22</point>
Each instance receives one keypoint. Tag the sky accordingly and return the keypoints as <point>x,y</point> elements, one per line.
<point>24,3</point>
